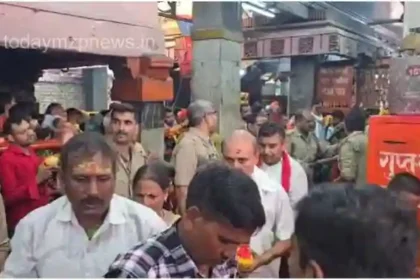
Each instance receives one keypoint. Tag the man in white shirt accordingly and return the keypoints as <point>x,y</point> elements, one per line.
<point>273,240</point>
<point>80,234</point>
<point>279,166</point>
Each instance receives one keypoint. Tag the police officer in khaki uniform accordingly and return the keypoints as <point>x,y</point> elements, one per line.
<point>4,239</point>
<point>123,130</point>
<point>303,145</point>
<point>194,147</point>
<point>353,148</point>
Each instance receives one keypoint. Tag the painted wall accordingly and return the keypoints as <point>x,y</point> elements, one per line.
<point>64,88</point>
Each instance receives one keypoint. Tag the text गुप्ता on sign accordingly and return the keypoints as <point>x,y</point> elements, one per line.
<point>393,163</point>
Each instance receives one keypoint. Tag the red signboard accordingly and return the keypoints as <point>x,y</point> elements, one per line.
<point>413,70</point>
<point>393,147</point>
<point>404,85</point>
<point>183,55</point>
<point>335,86</point>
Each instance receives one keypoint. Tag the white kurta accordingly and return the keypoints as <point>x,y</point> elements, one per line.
<point>298,179</point>
<point>279,223</point>
<point>50,243</point>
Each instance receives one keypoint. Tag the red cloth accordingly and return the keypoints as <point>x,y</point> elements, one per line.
<point>277,118</point>
<point>19,188</point>
<point>182,114</point>
<point>286,171</point>
<point>3,119</point>
<point>290,126</point>
<point>183,54</point>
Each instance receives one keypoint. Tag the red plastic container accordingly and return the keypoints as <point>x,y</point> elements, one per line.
<point>393,147</point>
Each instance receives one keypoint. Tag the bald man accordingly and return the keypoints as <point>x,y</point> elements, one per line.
<point>240,151</point>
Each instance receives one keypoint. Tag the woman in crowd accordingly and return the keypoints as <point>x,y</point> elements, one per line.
<point>151,187</point>
<point>254,121</point>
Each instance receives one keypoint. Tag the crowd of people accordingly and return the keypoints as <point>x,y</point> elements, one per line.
<point>124,213</point>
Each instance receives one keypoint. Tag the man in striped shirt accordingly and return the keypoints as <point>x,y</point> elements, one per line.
<point>223,211</point>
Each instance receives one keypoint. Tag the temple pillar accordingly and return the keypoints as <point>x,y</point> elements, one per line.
<point>302,82</point>
<point>95,88</point>
<point>217,52</point>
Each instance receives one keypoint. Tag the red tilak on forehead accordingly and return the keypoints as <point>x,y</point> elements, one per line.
<point>91,166</point>
<point>238,151</point>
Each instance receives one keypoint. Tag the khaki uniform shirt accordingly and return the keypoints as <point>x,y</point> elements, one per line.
<point>4,239</point>
<point>307,149</point>
<point>352,158</point>
<point>302,148</point>
<point>193,149</point>
<point>217,141</point>
<point>126,169</point>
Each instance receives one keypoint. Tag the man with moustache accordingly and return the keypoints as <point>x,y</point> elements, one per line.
<point>81,233</point>
<point>303,145</point>
<point>282,168</point>
<point>27,111</point>
<point>279,165</point>
<point>124,128</point>
<point>273,241</point>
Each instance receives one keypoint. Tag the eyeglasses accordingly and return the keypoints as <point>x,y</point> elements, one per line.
<point>211,113</point>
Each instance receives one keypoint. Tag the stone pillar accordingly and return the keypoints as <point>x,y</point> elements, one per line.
<point>217,37</point>
<point>95,88</point>
<point>302,82</point>
<point>152,129</point>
